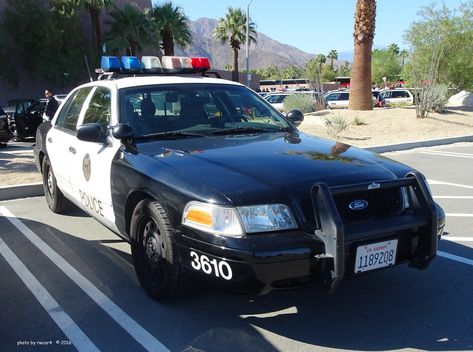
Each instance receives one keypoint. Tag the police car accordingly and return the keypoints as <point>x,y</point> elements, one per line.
<point>208,182</point>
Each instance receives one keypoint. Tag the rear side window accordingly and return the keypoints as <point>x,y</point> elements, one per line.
<point>69,115</point>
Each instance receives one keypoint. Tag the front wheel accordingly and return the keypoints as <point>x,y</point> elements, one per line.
<point>54,197</point>
<point>154,253</point>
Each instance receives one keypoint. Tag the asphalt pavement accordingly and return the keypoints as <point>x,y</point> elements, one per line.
<point>68,284</point>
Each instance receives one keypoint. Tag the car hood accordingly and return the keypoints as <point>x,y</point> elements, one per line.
<point>259,168</point>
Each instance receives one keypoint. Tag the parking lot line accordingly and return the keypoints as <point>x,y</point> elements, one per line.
<point>142,336</point>
<point>77,337</point>
<point>450,154</point>
<point>452,197</point>
<point>457,239</point>
<point>432,182</point>
<point>459,215</point>
<point>455,258</point>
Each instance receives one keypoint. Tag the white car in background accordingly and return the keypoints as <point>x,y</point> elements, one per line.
<point>336,99</point>
<point>277,100</point>
<point>397,96</point>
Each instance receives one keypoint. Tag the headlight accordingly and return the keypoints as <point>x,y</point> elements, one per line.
<point>270,217</point>
<point>212,218</point>
<point>236,222</point>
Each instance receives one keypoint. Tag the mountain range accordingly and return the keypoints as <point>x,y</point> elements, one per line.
<point>266,52</point>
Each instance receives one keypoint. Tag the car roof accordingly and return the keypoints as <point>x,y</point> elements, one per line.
<point>129,82</point>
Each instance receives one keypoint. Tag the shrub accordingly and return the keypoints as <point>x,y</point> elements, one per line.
<point>299,101</point>
<point>358,121</point>
<point>439,97</point>
<point>335,125</point>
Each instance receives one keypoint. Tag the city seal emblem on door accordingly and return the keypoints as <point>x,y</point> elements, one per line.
<point>359,204</point>
<point>86,167</point>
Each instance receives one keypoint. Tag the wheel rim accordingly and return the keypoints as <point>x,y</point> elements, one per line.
<point>153,249</point>
<point>50,182</point>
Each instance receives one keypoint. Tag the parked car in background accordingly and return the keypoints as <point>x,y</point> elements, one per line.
<point>340,98</point>
<point>397,96</point>
<point>336,99</point>
<point>5,134</point>
<point>14,108</point>
<point>25,122</point>
<point>277,100</point>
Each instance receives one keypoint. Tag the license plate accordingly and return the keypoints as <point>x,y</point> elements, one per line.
<point>375,256</point>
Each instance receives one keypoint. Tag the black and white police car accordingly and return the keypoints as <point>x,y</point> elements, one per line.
<point>207,181</point>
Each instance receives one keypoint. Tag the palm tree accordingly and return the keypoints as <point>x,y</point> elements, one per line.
<point>360,83</point>
<point>232,29</point>
<point>332,55</point>
<point>403,55</point>
<point>394,48</point>
<point>320,59</point>
<point>95,7</point>
<point>172,25</point>
<point>130,29</point>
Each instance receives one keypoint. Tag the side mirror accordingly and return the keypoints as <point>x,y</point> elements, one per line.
<point>295,116</point>
<point>91,132</point>
<point>122,131</point>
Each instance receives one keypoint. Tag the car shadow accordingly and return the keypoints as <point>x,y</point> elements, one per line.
<point>397,308</point>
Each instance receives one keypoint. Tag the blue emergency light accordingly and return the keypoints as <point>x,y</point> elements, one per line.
<point>110,64</point>
<point>131,64</point>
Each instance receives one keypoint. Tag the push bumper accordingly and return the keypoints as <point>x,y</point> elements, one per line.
<point>325,256</point>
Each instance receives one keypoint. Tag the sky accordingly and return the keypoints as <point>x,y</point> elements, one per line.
<point>317,26</point>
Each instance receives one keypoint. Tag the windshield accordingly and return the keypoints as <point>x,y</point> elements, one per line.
<point>197,108</point>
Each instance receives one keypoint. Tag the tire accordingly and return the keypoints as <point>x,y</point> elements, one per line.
<point>154,253</point>
<point>54,197</point>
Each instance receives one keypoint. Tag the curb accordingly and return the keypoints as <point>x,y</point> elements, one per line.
<point>21,191</point>
<point>421,144</point>
<point>36,189</point>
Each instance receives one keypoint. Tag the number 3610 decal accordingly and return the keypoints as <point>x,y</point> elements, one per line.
<point>219,268</point>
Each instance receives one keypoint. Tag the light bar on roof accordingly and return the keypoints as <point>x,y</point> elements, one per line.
<point>177,64</point>
<point>200,64</point>
<point>151,64</point>
<point>110,64</point>
<point>131,64</point>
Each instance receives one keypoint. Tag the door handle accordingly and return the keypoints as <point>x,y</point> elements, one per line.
<point>72,150</point>
<point>50,140</point>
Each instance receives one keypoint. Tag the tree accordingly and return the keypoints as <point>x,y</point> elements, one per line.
<point>172,26</point>
<point>53,51</point>
<point>384,63</point>
<point>332,55</point>
<point>292,72</point>
<point>130,29</point>
<point>232,29</point>
<point>360,84</point>
<point>328,74</point>
<point>404,54</point>
<point>437,46</point>
<point>95,7</point>
<point>320,59</point>
<point>394,48</point>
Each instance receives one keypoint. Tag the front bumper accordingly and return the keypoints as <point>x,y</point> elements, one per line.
<point>326,256</point>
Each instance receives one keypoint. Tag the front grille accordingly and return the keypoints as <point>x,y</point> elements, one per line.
<point>381,203</point>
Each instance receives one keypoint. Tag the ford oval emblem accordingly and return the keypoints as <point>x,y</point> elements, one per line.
<point>358,204</point>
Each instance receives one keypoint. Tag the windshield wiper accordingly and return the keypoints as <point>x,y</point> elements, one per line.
<point>242,129</point>
<point>171,135</point>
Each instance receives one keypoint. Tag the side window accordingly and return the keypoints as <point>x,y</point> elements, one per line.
<point>70,113</point>
<point>99,109</point>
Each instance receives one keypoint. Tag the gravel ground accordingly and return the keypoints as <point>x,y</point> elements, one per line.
<point>390,126</point>
<point>365,128</point>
